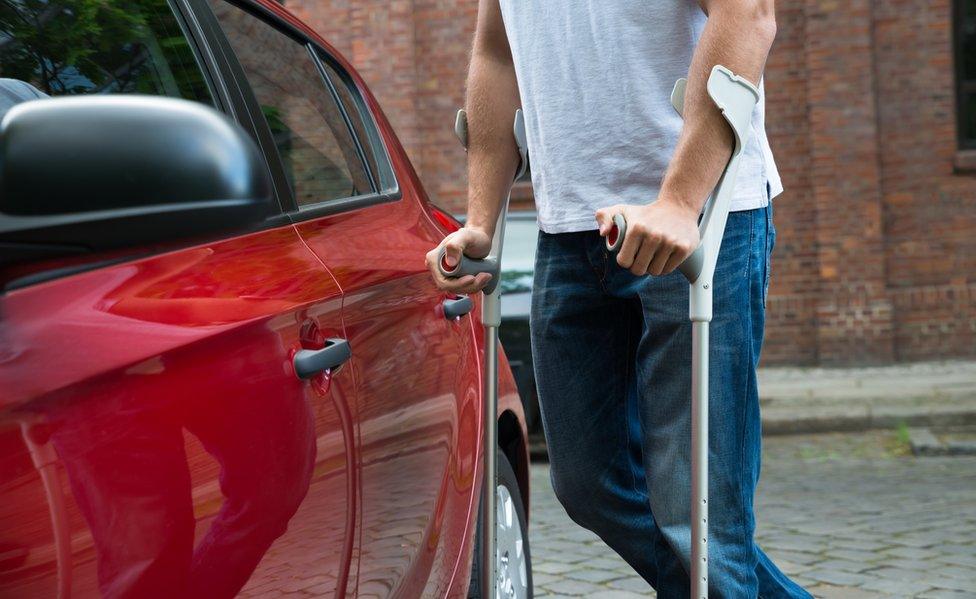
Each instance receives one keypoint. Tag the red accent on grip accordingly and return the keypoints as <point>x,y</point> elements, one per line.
<point>612,235</point>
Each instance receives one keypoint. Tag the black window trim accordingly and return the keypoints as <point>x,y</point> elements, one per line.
<point>386,179</point>
<point>961,85</point>
<point>246,111</point>
<point>345,116</point>
<point>290,207</point>
<point>191,30</point>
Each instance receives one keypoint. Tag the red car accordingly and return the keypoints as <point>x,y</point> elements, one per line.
<point>224,368</point>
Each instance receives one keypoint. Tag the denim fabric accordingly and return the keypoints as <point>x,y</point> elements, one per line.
<point>612,355</point>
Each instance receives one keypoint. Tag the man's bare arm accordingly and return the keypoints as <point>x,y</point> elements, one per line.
<point>492,98</point>
<point>738,35</point>
<point>491,103</point>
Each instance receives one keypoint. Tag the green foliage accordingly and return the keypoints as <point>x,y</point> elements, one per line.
<point>97,46</point>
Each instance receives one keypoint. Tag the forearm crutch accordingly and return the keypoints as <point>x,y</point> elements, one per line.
<point>491,317</point>
<point>736,98</point>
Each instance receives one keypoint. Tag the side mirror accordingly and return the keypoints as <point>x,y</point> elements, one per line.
<point>94,173</point>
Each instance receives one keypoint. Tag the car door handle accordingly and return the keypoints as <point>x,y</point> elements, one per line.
<point>309,362</point>
<point>456,307</point>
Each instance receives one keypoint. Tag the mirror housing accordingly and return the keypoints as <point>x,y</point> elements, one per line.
<point>94,173</point>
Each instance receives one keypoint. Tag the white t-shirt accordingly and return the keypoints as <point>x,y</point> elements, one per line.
<point>595,78</point>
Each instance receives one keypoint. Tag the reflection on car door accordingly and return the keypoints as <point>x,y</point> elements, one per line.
<point>191,460</point>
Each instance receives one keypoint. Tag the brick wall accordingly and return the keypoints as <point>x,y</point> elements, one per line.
<point>876,244</point>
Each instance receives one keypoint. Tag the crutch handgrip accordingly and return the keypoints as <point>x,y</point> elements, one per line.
<point>618,230</point>
<point>469,266</point>
<point>691,267</point>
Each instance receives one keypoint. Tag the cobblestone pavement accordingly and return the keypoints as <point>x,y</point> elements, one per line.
<point>846,515</point>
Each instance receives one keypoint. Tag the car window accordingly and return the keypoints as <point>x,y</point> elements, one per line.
<point>318,152</point>
<point>362,123</point>
<point>66,47</point>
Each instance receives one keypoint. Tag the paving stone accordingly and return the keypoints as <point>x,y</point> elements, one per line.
<point>594,576</point>
<point>897,574</point>
<point>897,587</point>
<point>843,565</point>
<point>790,568</point>
<point>854,544</point>
<point>855,555</point>
<point>573,588</point>
<point>541,578</point>
<point>794,556</point>
<point>828,591</point>
<point>916,565</point>
<point>804,582</point>
<point>608,563</point>
<point>954,548</point>
<point>576,558</point>
<point>923,442</point>
<point>837,577</point>
<point>955,572</point>
<point>552,567</point>
<point>615,594</point>
<point>954,585</point>
<point>946,594</point>
<point>911,552</point>
<point>914,540</point>
<point>959,560</point>
<point>635,583</point>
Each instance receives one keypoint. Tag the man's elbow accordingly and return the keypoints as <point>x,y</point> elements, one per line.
<point>764,19</point>
<point>756,18</point>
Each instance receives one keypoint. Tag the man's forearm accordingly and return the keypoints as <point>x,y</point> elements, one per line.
<point>492,99</point>
<point>738,35</point>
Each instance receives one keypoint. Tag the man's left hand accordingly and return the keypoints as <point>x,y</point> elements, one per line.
<point>659,236</point>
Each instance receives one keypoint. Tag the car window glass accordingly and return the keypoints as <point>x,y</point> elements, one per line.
<point>319,154</point>
<point>66,47</point>
<point>363,125</point>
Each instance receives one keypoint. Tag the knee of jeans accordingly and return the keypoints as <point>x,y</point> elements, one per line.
<point>578,493</point>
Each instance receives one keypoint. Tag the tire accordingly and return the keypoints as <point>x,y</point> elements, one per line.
<point>508,487</point>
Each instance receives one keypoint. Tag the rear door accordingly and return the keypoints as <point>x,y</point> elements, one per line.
<point>155,440</point>
<point>416,372</point>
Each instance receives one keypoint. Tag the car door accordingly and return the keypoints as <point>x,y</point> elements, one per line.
<point>156,440</point>
<point>416,372</point>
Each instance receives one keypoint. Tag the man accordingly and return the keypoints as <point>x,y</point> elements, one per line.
<point>612,346</point>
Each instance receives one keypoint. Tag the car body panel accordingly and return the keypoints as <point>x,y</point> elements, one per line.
<point>417,395</point>
<point>159,397</point>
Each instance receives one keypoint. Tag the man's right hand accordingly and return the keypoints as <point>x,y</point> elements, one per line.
<point>469,241</point>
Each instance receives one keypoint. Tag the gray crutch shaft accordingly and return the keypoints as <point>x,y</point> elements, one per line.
<point>736,98</point>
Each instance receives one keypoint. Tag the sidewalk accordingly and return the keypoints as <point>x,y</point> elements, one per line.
<point>809,400</point>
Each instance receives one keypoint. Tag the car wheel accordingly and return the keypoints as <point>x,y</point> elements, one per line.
<point>514,561</point>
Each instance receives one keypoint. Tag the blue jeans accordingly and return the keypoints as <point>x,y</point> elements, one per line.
<point>612,355</point>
